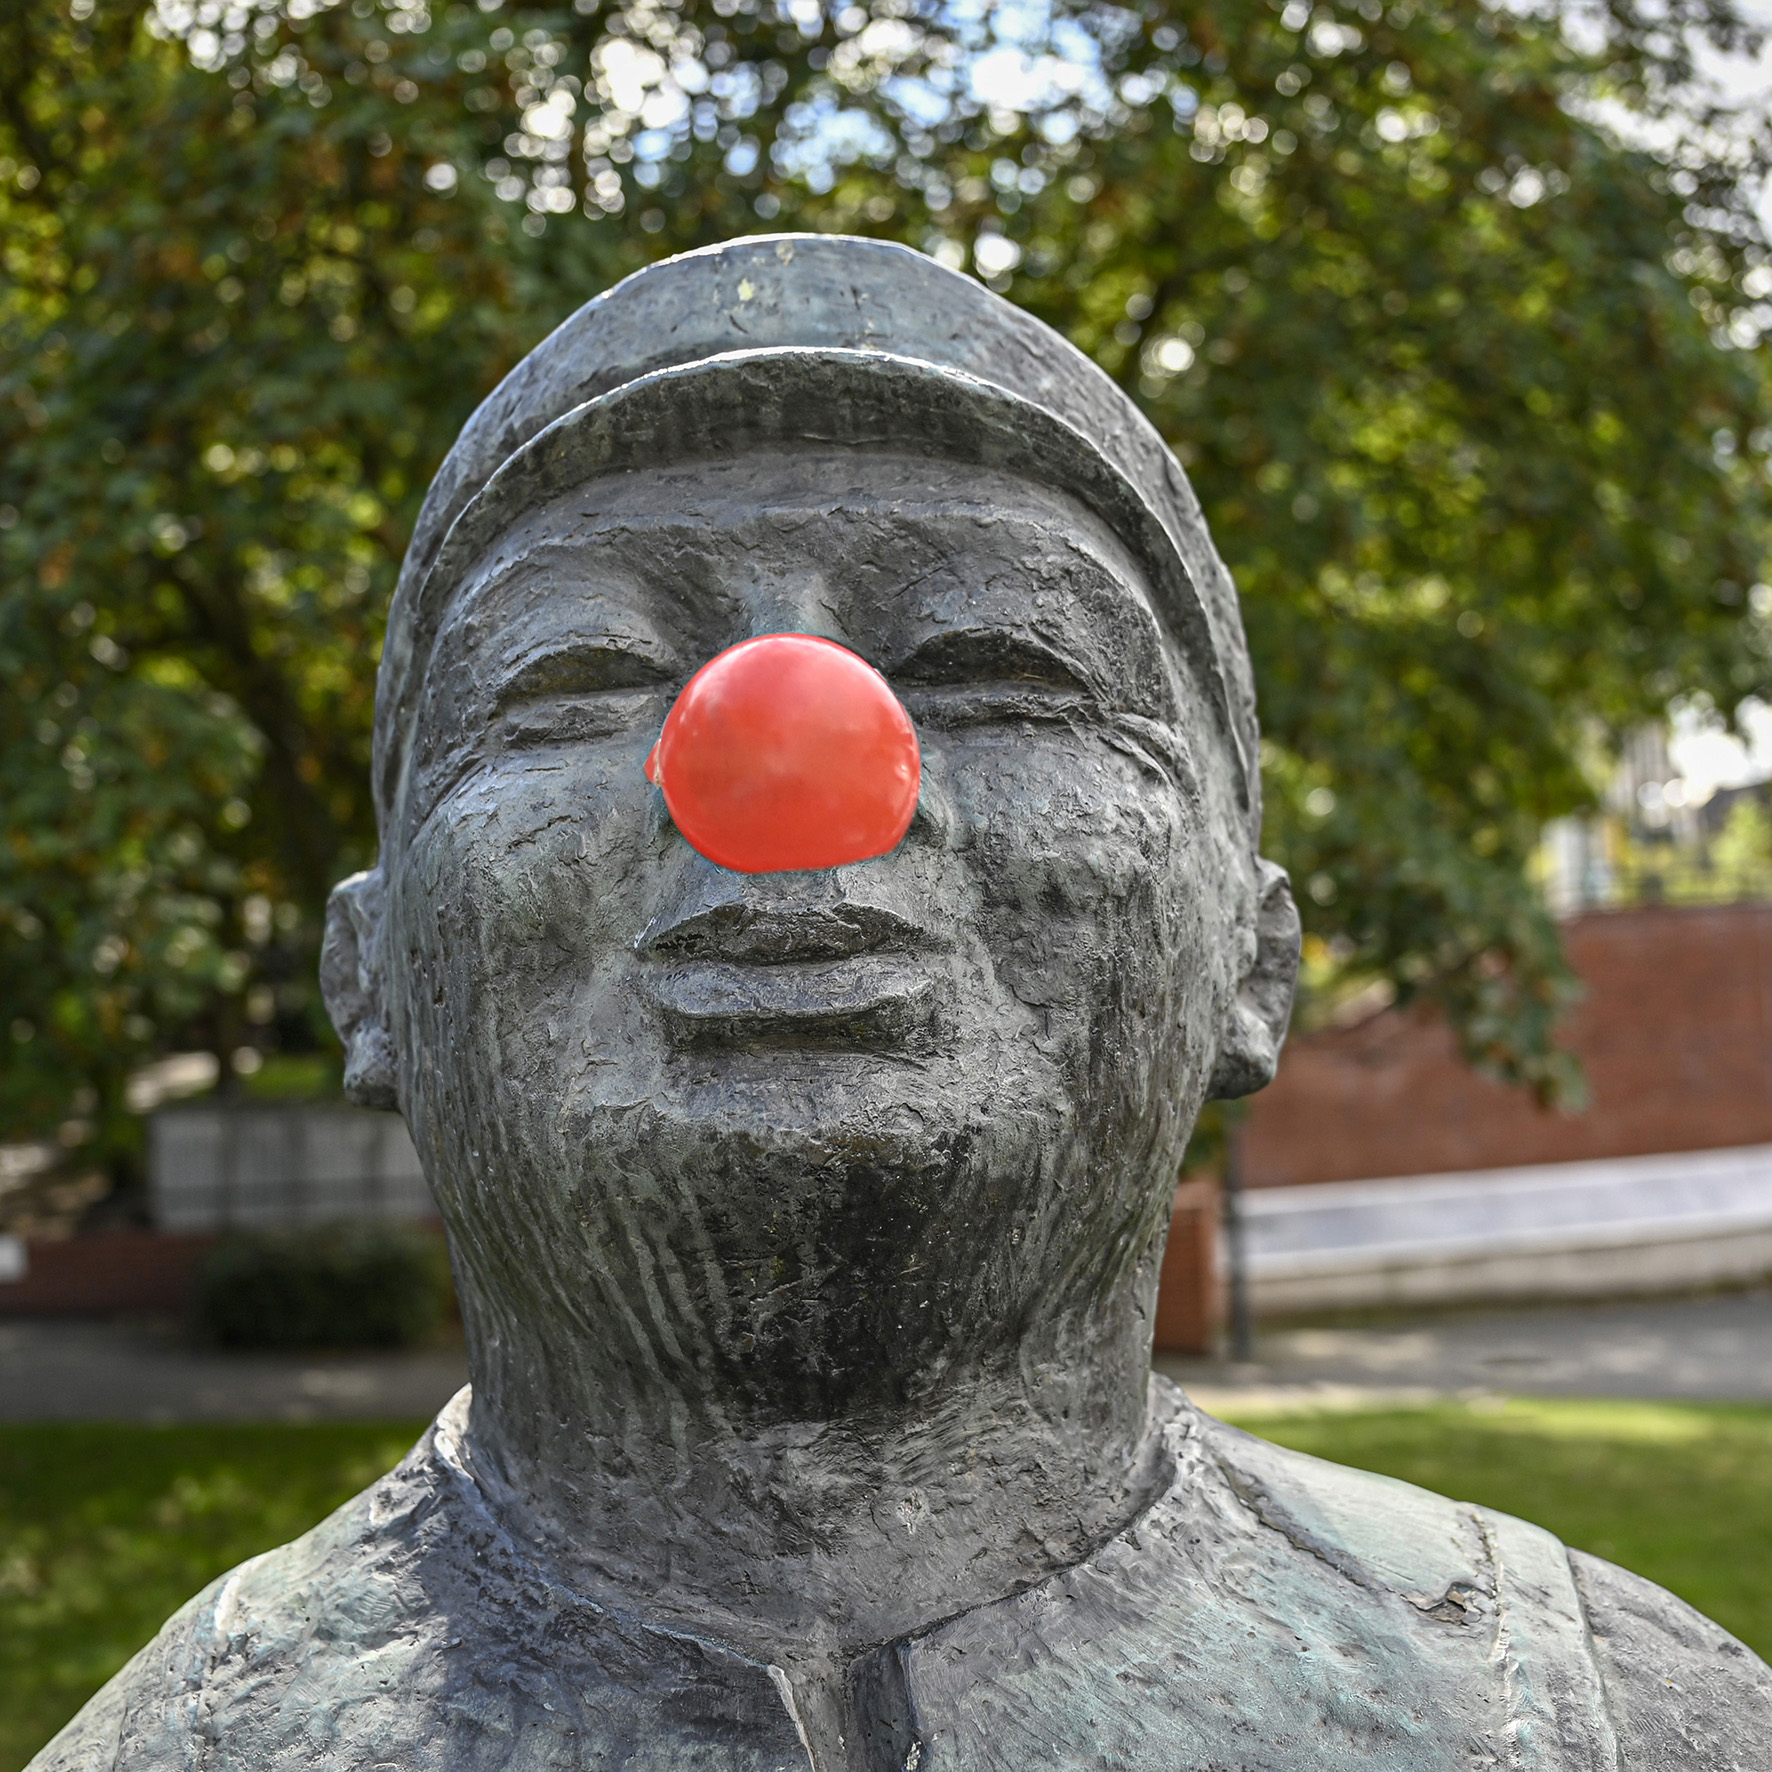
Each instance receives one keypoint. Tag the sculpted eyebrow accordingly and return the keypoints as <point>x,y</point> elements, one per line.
<point>583,667</point>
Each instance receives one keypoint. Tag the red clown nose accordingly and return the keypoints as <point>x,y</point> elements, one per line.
<point>788,752</point>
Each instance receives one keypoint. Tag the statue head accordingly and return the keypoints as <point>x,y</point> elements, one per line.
<point>801,1146</point>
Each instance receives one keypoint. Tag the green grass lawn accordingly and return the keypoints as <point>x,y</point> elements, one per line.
<point>104,1530</point>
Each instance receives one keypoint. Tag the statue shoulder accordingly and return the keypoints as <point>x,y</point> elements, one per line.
<point>93,1740</point>
<point>1685,1695</point>
<point>333,1593</point>
<point>1608,1654</point>
<point>1378,1531</point>
<point>145,1719</point>
<point>410,1630</point>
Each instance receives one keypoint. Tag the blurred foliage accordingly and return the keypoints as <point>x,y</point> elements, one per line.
<point>296,1076</point>
<point>356,1285</point>
<point>1465,380</point>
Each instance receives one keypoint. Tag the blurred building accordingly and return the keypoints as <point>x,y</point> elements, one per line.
<point>1382,1169</point>
<point>279,1168</point>
<point>212,1168</point>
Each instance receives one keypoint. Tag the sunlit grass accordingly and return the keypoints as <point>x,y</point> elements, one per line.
<point>105,1529</point>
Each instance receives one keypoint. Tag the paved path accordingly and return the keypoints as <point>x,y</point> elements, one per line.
<point>91,1371</point>
<point>1717,1347</point>
<point>1713,1348</point>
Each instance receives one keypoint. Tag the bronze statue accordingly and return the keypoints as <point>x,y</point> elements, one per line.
<point>807,1225</point>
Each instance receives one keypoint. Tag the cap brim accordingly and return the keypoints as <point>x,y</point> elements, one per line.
<point>723,406</point>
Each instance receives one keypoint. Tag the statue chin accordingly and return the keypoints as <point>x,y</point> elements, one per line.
<point>807,1220</point>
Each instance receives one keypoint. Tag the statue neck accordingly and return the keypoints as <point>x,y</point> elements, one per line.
<point>800,1539</point>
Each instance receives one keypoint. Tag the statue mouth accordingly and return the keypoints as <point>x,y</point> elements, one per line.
<point>771,933</point>
<point>869,999</point>
<point>842,960</point>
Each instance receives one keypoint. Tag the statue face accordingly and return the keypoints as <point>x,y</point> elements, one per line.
<point>822,1136</point>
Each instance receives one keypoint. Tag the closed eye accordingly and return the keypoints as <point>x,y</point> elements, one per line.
<point>582,669</point>
<point>986,674</point>
<point>584,691</point>
<point>983,656</point>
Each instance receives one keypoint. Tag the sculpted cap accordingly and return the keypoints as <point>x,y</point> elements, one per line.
<point>821,339</point>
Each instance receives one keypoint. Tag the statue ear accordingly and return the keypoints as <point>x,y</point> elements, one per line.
<point>1255,1027</point>
<point>351,983</point>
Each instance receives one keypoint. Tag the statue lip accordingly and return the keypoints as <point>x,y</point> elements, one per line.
<point>772,934</point>
<point>863,1000</point>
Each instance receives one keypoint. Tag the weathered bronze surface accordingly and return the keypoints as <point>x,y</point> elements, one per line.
<point>807,1226</point>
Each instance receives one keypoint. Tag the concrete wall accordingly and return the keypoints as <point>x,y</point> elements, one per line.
<point>1618,1225</point>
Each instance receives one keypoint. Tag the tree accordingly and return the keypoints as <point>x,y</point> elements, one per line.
<point>1464,380</point>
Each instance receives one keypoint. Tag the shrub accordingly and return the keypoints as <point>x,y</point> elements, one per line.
<point>331,1286</point>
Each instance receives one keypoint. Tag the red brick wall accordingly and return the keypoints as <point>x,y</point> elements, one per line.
<point>112,1271</point>
<point>1189,1305</point>
<point>1674,1035</point>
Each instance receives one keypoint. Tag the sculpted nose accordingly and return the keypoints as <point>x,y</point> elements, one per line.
<point>788,752</point>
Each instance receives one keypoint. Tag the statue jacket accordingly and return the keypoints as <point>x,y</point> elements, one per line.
<point>1266,1612</point>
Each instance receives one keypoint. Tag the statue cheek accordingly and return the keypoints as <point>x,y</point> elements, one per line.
<point>529,868</point>
<point>1067,833</point>
<point>1089,878</point>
